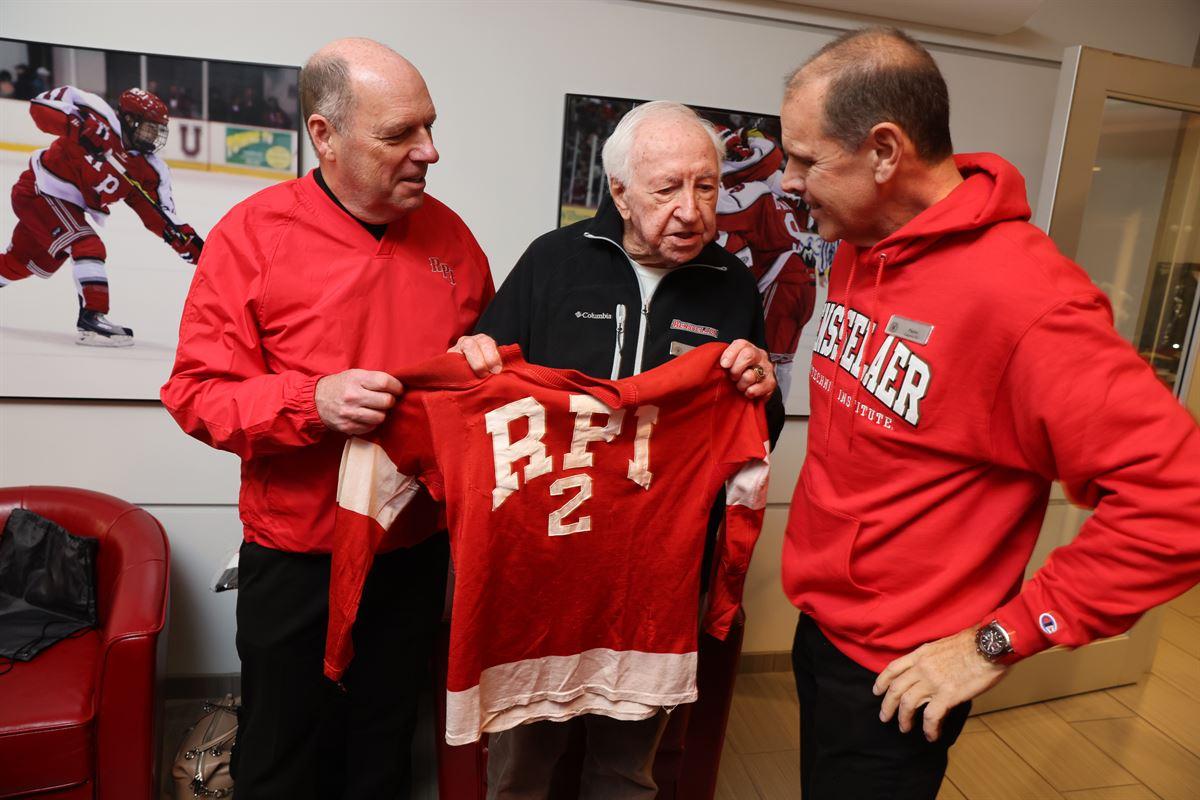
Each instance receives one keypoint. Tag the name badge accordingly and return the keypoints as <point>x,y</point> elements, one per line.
<point>909,329</point>
<point>679,348</point>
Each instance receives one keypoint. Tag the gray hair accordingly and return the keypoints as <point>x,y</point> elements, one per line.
<point>617,150</point>
<point>325,89</point>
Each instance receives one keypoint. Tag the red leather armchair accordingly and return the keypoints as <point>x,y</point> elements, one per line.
<point>82,719</point>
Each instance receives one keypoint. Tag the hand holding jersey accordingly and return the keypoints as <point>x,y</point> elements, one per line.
<point>483,357</point>
<point>749,366</point>
<point>356,401</point>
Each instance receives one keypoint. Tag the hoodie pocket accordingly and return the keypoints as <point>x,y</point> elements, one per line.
<point>819,570</point>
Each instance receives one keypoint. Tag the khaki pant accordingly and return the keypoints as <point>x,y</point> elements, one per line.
<point>618,764</point>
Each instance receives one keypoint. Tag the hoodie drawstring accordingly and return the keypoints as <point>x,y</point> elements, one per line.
<point>872,324</point>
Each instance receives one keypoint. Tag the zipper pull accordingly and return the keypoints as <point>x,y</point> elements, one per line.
<point>620,344</point>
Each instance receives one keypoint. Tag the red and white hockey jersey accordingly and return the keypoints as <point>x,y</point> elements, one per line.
<point>577,510</point>
<point>66,171</point>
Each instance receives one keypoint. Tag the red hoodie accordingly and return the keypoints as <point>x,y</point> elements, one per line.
<point>995,372</point>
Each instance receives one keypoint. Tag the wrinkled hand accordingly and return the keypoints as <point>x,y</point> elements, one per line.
<point>355,401</point>
<point>742,358</point>
<point>481,353</point>
<point>939,675</point>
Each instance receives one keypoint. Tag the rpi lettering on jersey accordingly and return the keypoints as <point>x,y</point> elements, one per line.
<point>506,453</point>
<point>896,376</point>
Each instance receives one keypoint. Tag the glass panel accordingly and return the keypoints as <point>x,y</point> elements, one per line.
<point>177,82</point>
<point>1139,240</point>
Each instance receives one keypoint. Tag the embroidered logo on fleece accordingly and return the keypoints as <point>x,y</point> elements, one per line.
<point>447,271</point>
<point>592,315</point>
<point>691,327</point>
<point>1048,623</point>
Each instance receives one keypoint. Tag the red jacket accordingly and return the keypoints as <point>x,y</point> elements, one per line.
<point>290,288</point>
<point>578,509</point>
<point>995,372</point>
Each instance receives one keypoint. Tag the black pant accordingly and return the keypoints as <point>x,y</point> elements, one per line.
<point>300,736</point>
<point>846,753</point>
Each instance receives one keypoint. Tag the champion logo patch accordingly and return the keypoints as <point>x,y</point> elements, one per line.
<point>691,327</point>
<point>1048,623</point>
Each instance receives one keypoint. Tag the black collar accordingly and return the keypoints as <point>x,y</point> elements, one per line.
<point>374,228</point>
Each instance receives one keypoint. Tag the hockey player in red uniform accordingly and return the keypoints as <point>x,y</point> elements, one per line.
<point>765,227</point>
<point>99,157</point>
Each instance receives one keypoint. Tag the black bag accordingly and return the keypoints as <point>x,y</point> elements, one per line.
<point>47,585</point>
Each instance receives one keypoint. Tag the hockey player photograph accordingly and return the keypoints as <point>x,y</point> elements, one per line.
<point>116,171</point>
<point>99,157</point>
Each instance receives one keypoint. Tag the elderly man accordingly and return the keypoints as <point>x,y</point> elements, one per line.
<point>309,296</point>
<point>624,292</point>
<point>961,365</point>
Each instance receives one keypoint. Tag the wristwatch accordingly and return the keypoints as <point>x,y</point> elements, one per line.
<point>993,642</point>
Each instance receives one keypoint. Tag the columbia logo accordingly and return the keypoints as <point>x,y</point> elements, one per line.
<point>592,315</point>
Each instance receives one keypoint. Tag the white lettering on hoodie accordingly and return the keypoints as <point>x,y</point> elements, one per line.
<point>897,377</point>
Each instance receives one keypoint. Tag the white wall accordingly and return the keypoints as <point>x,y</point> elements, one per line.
<point>498,72</point>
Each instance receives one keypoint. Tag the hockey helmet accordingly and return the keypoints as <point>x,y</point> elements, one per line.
<point>143,120</point>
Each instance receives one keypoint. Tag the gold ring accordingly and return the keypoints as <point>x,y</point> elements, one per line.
<point>760,372</point>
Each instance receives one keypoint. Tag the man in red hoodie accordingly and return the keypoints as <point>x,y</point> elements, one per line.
<point>962,365</point>
<point>310,296</point>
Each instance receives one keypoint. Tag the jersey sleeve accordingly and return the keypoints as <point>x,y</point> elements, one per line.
<point>740,459</point>
<point>49,115</point>
<point>221,390</point>
<point>1078,405</point>
<point>381,474</point>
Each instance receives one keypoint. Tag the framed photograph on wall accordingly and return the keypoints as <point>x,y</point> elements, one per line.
<point>764,226</point>
<point>118,165</point>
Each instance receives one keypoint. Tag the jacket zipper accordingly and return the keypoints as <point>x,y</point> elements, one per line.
<point>616,367</point>
<point>637,358</point>
<point>641,342</point>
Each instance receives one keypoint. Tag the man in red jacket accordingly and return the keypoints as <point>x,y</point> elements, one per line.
<point>310,295</point>
<point>962,364</point>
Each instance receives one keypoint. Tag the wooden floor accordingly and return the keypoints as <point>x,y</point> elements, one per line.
<point>1138,742</point>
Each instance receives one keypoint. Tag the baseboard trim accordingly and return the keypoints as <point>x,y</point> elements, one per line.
<point>772,661</point>
<point>193,687</point>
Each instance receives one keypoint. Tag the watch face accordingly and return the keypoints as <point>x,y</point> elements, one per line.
<point>992,642</point>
